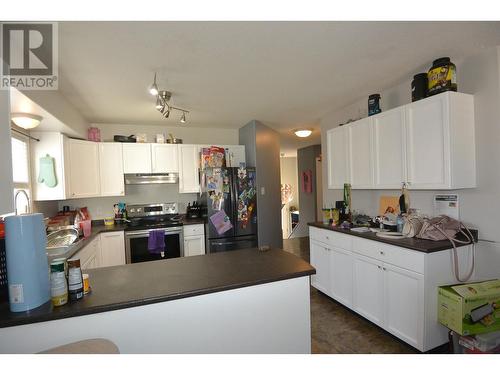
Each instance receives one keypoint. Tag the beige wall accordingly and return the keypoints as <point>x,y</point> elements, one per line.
<point>288,167</point>
<point>478,75</point>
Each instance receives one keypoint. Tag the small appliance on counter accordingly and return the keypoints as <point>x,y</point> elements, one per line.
<point>193,211</point>
<point>27,265</point>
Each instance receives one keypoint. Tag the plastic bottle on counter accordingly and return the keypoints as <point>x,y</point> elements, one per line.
<point>75,280</point>
<point>58,286</point>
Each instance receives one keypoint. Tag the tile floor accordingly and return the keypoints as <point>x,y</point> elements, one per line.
<point>336,329</point>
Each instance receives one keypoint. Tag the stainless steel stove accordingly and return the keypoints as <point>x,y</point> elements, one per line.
<point>145,218</point>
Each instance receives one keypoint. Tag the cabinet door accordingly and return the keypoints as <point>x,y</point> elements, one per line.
<point>112,249</point>
<point>389,144</point>
<point>368,293</point>
<point>428,143</point>
<point>111,169</point>
<point>164,158</point>
<point>404,304</point>
<point>337,155</point>
<point>194,245</point>
<point>189,179</point>
<point>83,169</point>
<point>320,260</point>
<point>235,155</point>
<point>136,158</point>
<point>341,268</point>
<point>360,154</point>
<point>90,263</point>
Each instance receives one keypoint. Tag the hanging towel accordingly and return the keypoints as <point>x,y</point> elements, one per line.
<point>156,241</point>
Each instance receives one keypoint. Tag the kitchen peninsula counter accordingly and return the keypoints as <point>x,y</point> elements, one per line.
<point>247,286</point>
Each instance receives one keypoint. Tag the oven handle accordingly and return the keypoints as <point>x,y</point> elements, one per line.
<point>172,230</point>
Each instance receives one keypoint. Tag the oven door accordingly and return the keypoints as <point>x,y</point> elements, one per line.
<point>136,245</point>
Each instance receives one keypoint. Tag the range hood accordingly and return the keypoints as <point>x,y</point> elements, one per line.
<point>150,178</point>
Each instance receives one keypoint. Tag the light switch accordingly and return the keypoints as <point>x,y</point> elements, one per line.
<point>262,190</point>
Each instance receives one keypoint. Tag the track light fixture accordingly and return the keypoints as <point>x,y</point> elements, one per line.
<point>162,98</point>
<point>153,90</point>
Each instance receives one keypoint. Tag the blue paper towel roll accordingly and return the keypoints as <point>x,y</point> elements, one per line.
<point>27,265</point>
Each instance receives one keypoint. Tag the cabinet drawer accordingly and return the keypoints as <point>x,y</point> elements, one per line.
<point>398,256</point>
<point>194,230</point>
<point>331,238</point>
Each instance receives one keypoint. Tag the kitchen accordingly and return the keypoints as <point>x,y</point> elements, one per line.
<point>100,175</point>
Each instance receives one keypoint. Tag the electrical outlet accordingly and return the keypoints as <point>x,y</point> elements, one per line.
<point>262,190</point>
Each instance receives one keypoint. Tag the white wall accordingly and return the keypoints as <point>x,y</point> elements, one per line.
<point>288,166</point>
<point>6,189</point>
<point>478,75</point>
<point>188,134</point>
<point>100,208</point>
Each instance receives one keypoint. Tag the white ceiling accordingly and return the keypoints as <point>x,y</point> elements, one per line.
<point>285,74</point>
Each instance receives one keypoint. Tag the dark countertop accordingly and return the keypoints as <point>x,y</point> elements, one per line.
<point>425,246</point>
<point>137,284</point>
<point>98,227</point>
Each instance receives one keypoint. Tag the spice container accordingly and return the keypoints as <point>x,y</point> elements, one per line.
<point>75,280</point>
<point>442,76</point>
<point>86,283</point>
<point>58,286</point>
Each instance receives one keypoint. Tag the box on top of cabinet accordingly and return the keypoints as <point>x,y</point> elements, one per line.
<point>470,309</point>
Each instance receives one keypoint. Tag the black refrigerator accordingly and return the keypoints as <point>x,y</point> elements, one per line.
<point>229,198</point>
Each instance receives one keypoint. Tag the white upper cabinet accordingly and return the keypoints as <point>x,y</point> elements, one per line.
<point>440,142</point>
<point>389,149</point>
<point>429,144</point>
<point>137,158</point>
<point>360,154</point>
<point>164,158</point>
<point>337,157</point>
<point>111,169</point>
<point>84,180</point>
<point>55,146</point>
<point>189,178</point>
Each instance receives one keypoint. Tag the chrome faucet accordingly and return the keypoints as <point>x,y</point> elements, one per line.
<point>27,199</point>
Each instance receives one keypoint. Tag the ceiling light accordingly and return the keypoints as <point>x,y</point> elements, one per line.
<point>159,103</point>
<point>153,90</point>
<point>302,133</point>
<point>162,99</point>
<point>26,120</point>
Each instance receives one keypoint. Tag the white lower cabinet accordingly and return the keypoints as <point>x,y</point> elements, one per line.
<point>368,289</point>
<point>90,255</point>
<point>106,249</point>
<point>320,260</point>
<point>194,240</point>
<point>404,304</point>
<point>112,249</point>
<point>393,287</point>
<point>341,266</point>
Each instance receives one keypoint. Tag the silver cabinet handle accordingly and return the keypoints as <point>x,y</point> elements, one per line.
<point>379,267</point>
<point>381,253</point>
<point>385,269</point>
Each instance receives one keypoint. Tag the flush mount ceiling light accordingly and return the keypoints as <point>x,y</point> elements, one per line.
<point>26,120</point>
<point>162,105</point>
<point>303,133</point>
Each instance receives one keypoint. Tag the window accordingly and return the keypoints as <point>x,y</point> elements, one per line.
<point>21,171</point>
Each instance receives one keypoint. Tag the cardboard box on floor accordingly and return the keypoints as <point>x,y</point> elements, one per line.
<point>470,309</point>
